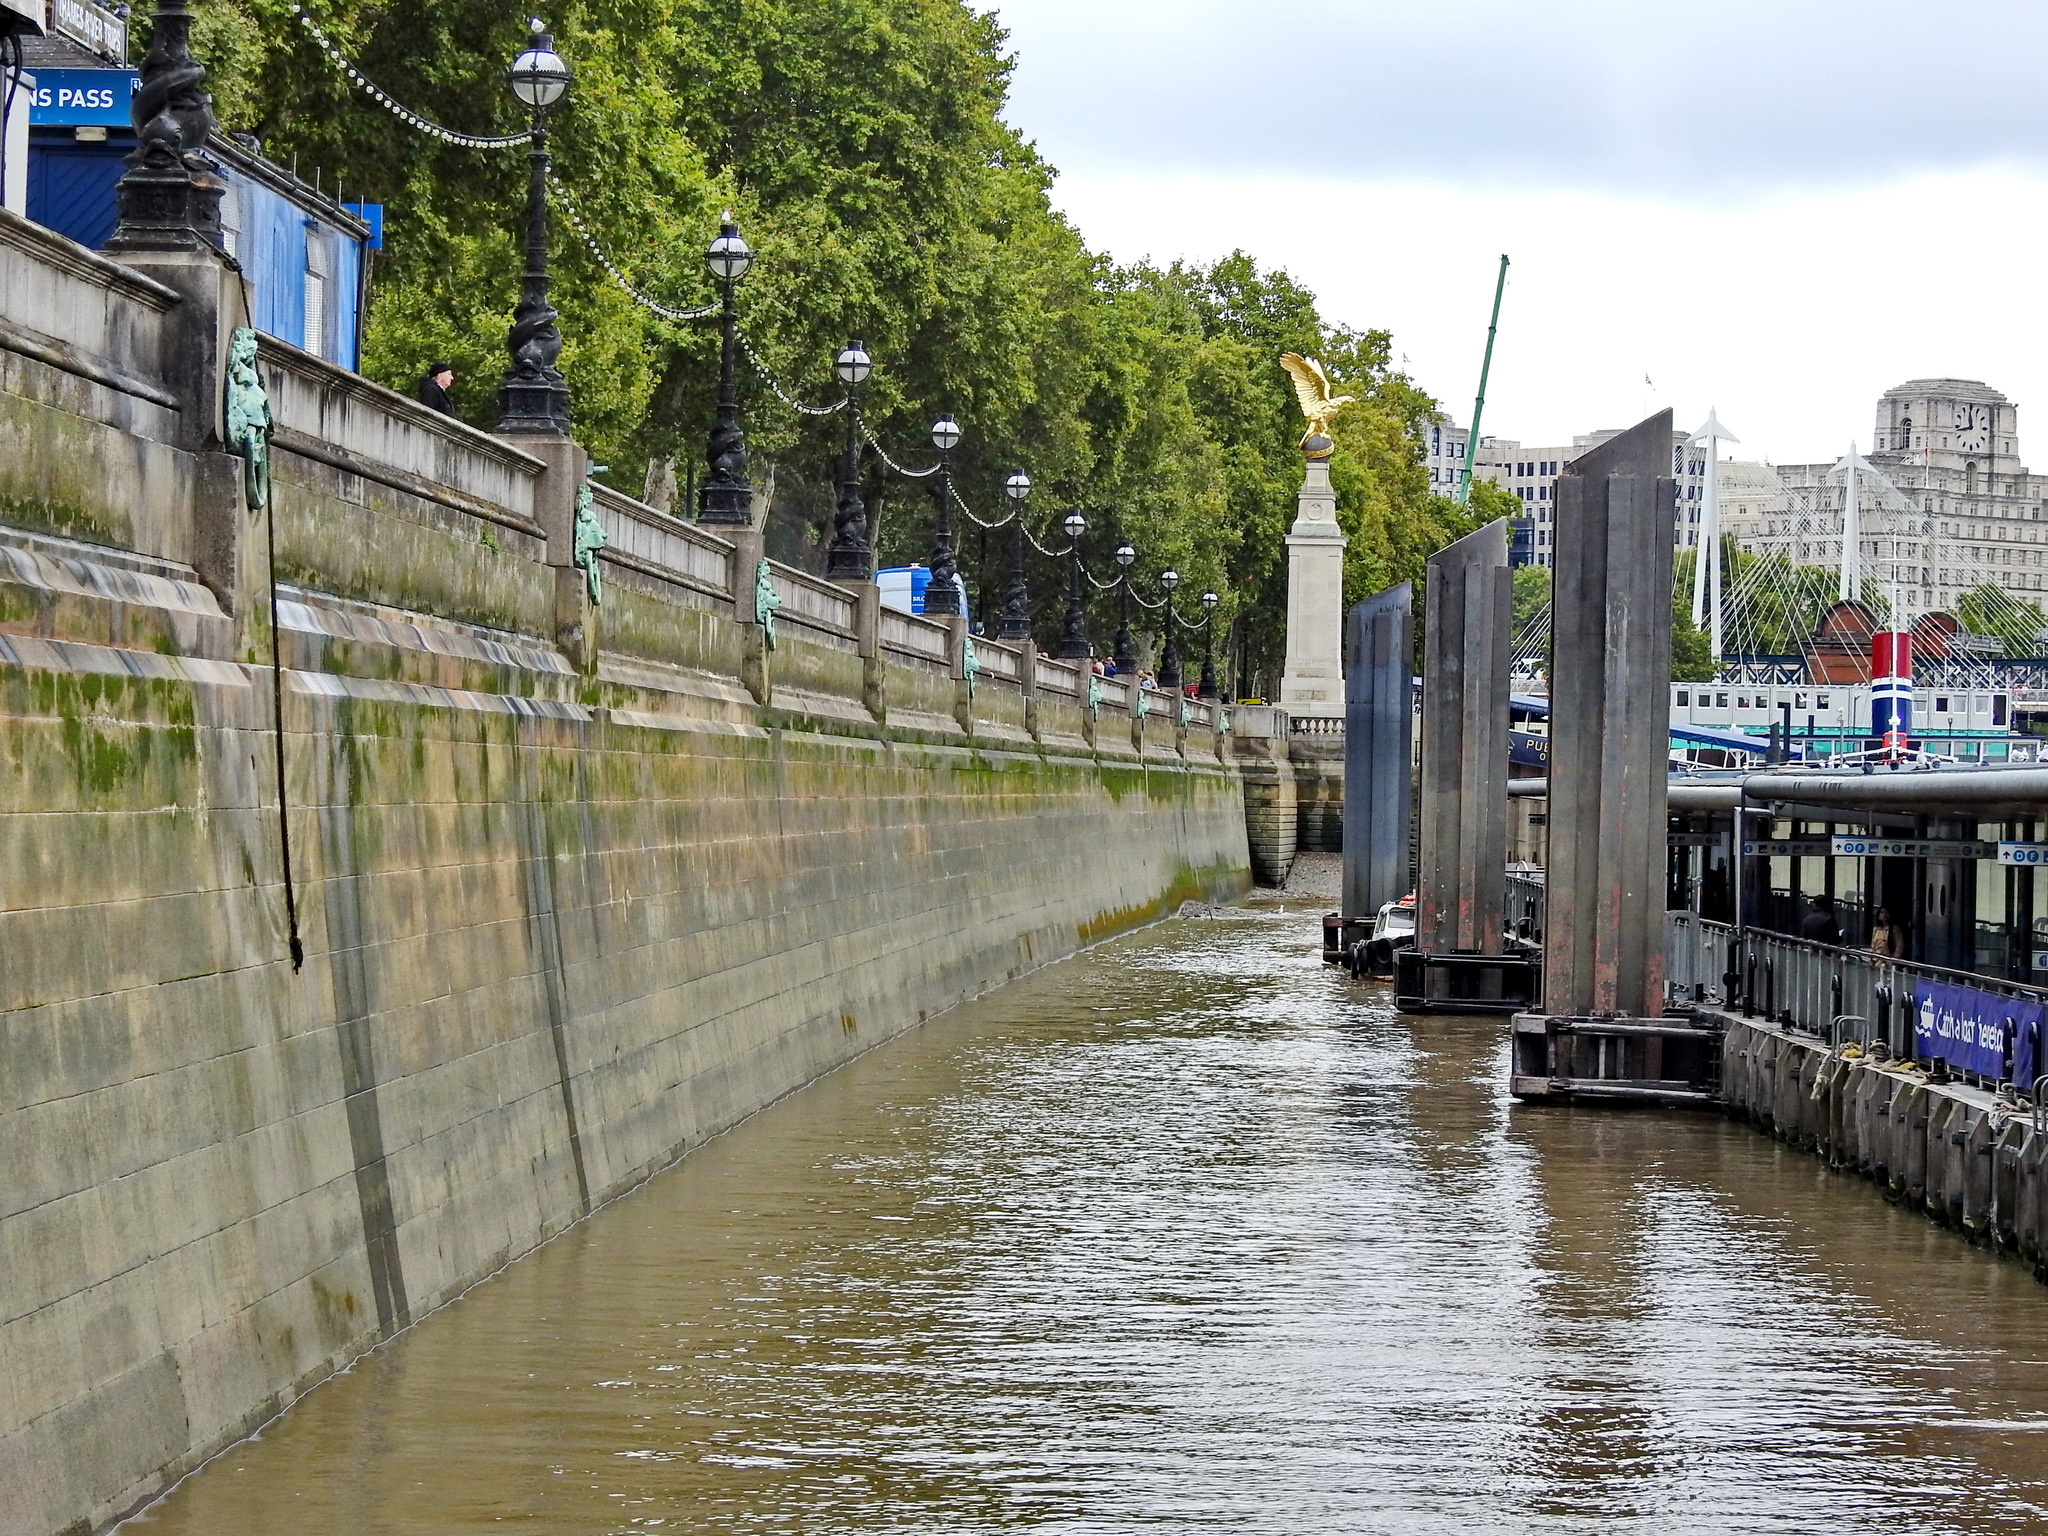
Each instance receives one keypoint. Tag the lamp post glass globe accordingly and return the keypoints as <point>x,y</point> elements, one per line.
<point>853,365</point>
<point>1169,579</point>
<point>728,257</point>
<point>538,76</point>
<point>1018,486</point>
<point>1125,555</point>
<point>945,434</point>
<point>1075,524</point>
<point>1210,600</point>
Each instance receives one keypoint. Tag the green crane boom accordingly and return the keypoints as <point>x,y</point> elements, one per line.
<point>1479,404</point>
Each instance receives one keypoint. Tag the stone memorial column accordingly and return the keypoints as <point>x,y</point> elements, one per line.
<point>1313,682</point>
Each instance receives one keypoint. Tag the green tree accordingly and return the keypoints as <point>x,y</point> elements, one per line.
<point>1692,651</point>
<point>861,146</point>
<point>1991,610</point>
<point>1531,597</point>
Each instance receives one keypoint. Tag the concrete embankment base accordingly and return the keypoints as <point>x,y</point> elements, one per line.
<point>547,952</point>
<point>1947,1149</point>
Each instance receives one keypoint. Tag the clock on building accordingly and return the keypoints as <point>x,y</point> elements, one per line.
<point>1973,428</point>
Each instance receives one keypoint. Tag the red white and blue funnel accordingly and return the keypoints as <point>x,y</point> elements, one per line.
<point>1891,690</point>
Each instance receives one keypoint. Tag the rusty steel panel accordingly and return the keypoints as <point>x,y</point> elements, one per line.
<point>1379,749</point>
<point>1461,900</point>
<point>1610,726</point>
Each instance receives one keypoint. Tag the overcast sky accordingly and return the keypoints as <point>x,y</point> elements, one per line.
<point>1776,209</point>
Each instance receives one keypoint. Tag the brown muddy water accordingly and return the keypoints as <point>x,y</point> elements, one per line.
<point>1191,1234</point>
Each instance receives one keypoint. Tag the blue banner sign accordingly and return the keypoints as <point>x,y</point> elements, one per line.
<point>67,98</point>
<point>1981,1032</point>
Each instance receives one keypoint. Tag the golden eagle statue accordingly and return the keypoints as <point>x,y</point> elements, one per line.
<point>1312,389</point>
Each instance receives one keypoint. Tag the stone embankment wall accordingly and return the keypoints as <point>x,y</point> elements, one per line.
<point>578,885</point>
<point>1947,1149</point>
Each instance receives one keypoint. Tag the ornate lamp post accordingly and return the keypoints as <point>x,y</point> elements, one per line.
<point>1206,689</point>
<point>943,595</point>
<point>1015,621</point>
<point>1074,642</point>
<point>534,396</point>
<point>168,201</point>
<point>726,497</point>
<point>850,558</point>
<point>1125,654</point>
<point>1169,655</point>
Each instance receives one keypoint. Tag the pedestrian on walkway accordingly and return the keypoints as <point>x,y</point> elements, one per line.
<point>440,378</point>
<point>1886,938</point>
<point>1819,924</point>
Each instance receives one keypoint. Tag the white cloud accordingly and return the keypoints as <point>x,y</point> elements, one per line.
<point>1734,96</point>
<point>1777,207</point>
<point>1790,316</point>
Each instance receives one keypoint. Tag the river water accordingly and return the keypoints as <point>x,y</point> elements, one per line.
<point>1190,1233</point>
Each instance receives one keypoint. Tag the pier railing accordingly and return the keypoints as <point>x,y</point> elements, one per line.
<point>1525,904</point>
<point>1834,994</point>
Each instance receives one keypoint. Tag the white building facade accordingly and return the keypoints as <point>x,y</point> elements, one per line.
<point>1955,510</point>
<point>1530,475</point>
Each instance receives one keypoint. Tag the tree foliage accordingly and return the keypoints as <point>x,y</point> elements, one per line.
<point>862,148</point>
<point>1991,610</point>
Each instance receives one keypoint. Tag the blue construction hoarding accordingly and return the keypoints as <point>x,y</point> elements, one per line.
<point>305,256</point>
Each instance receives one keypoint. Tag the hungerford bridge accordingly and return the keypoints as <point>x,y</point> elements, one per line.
<point>1790,620</point>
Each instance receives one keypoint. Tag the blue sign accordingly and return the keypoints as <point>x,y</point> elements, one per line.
<point>371,214</point>
<point>1977,1031</point>
<point>67,98</point>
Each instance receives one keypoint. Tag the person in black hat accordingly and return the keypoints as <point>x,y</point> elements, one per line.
<point>435,386</point>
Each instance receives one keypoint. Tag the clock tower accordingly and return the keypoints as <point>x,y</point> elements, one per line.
<point>1954,424</point>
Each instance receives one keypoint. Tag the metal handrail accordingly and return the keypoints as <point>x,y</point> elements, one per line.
<point>1819,989</point>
